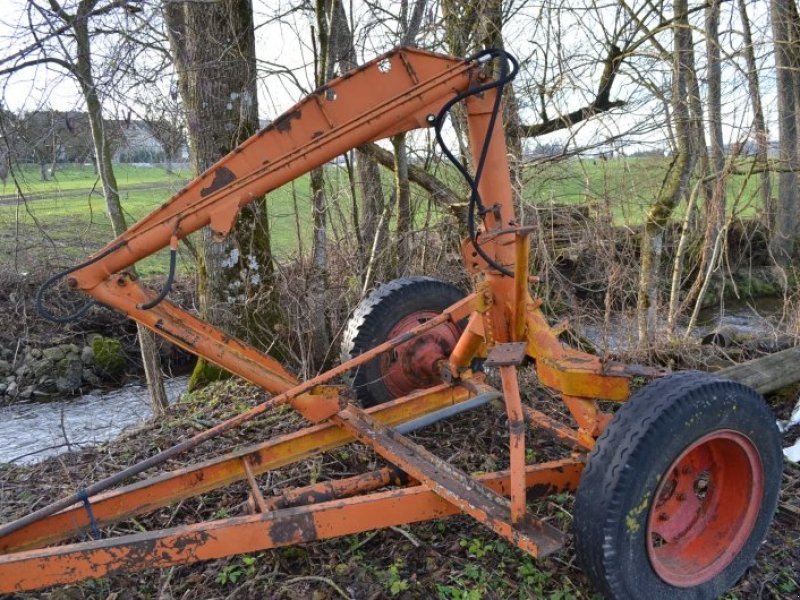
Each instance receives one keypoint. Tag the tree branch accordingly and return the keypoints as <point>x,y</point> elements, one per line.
<point>600,104</point>
<point>38,44</point>
<point>39,61</point>
<point>440,193</point>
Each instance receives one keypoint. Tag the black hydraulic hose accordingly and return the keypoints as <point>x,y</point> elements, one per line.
<point>475,201</point>
<point>46,314</point>
<point>173,256</point>
<point>173,253</point>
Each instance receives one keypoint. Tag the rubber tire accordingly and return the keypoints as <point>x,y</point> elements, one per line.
<point>643,439</point>
<point>377,314</point>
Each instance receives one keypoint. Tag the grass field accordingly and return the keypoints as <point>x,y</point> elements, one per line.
<point>626,186</point>
<point>64,219</point>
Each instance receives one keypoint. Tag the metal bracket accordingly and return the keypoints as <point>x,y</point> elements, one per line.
<point>505,355</point>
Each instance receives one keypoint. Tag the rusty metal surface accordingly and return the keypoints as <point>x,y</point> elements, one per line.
<point>204,541</point>
<point>163,490</point>
<point>522,248</point>
<point>516,441</point>
<point>339,488</point>
<point>511,353</point>
<point>455,486</point>
<point>558,430</point>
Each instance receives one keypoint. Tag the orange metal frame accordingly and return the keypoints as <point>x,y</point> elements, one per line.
<point>395,92</point>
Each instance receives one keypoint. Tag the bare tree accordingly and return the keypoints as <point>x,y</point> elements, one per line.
<point>409,29</point>
<point>69,47</point>
<point>213,47</point>
<point>676,180</point>
<point>783,15</point>
<point>164,120</point>
<point>759,125</point>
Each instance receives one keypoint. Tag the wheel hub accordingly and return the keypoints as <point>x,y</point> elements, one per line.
<point>412,365</point>
<point>705,508</point>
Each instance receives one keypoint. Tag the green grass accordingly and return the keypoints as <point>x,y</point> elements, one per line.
<point>82,177</point>
<point>627,186</point>
<point>63,220</point>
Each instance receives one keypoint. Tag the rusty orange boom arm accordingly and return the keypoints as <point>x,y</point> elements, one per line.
<point>396,92</point>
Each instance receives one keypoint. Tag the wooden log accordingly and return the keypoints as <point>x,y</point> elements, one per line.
<point>768,373</point>
<point>732,336</point>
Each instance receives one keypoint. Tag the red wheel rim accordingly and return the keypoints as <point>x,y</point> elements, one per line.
<point>705,508</point>
<point>412,365</point>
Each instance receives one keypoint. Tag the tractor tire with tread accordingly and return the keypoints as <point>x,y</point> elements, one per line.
<point>387,311</point>
<point>656,444</point>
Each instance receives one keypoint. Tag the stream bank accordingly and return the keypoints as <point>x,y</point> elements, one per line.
<point>34,431</point>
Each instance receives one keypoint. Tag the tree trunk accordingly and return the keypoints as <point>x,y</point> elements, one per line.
<point>318,278</point>
<point>410,28</point>
<point>715,212</point>
<point>675,182</point>
<point>759,125</point>
<point>147,339</point>
<point>786,210</point>
<point>768,373</point>
<point>491,24</point>
<point>213,47</point>
<point>342,52</point>
<point>460,18</point>
<point>712,164</point>
<point>403,194</point>
<point>316,301</point>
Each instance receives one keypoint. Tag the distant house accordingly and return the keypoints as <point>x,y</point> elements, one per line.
<point>135,143</point>
<point>749,148</point>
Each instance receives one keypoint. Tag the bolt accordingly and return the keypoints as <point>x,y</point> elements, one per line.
<point>72,283</point>
<point>663,516</point>
<point>444,371</point>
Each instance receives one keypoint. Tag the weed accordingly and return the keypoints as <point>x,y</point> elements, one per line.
<point>395,583</point>
<point>532,577</point>
<point>477,547</point>
<point>787,584</point>
<point>245,567</point>
<point>455,593</point>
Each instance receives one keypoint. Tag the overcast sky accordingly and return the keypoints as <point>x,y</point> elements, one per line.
<point>283,44</point>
